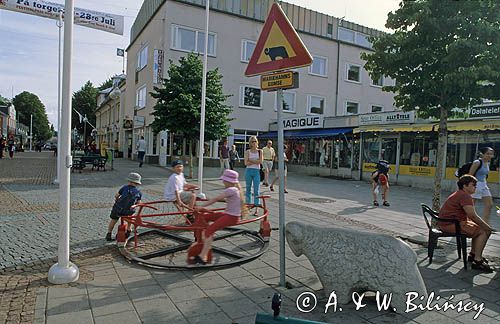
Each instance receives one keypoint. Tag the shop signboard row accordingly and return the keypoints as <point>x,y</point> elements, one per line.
<point>395,117</point>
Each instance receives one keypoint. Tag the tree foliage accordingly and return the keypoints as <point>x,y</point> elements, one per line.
<point>444,56</point>
<point>178,108</point>
<point>27,104</point>
<point>106,84</point>
<point>85,102</point>
<point>4,101</point>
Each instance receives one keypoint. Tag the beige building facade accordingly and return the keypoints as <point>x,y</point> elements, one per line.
<point>335,87</point>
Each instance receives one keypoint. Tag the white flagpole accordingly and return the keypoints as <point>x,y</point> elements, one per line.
<point>203,99</point>
<point>64,271</point>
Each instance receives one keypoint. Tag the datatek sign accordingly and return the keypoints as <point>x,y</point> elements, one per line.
<point>303,122</point>
<point>485,111</point>
<point>83,17</point>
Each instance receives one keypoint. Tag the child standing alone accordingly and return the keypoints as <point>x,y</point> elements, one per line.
<point>380,179</point>
<point>235,208</point>
<point>125,198</point>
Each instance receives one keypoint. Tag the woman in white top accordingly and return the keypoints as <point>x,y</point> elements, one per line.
<point>253,160</point>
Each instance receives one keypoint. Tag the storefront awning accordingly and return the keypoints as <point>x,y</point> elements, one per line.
<point>397,128</point>
<point>309,133</point>
<point>474,125</point>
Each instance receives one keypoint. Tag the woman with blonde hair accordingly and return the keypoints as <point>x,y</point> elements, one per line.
<point>253,160</point>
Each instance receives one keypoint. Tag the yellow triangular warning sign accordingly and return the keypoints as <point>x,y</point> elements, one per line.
<point>279,46</point>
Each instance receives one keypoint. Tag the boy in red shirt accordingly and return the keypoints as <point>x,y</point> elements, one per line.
<point>460,206</point>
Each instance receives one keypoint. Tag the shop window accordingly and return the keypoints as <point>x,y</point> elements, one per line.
<point>343,149</point>
<point>288,101</point>
<point>371,149</point>
<point>140,101</point>
<point>250,97</point>
<point>315,105</point>
<point>353,73</point>
<point>419,149</point>
<point>319,66</point>
<point>247,48</point>
<point>192,40</point>
<point>378,82</point>
<point>376,109</point>
<point>351,108</point>
<point>142,58</point>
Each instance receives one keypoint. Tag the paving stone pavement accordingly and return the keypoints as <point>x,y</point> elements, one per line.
<point>111,289</point>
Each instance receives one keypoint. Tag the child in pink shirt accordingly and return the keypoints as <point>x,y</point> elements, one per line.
<point>235,208</point>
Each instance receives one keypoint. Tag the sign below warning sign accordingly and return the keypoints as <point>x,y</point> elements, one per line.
<point>280,80</point>
<point>279,46</point>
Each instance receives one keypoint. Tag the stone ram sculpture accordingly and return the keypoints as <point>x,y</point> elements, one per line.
<point>348,261</point>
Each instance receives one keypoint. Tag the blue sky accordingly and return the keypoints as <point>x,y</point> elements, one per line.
<point>28,44</point>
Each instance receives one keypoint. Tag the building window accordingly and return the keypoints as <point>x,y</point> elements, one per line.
<point>329,29</point>
<point>353,73</point>
<point>247,48</point>
<point>288,101</point>
<point>362,39</point>
<point>378,82</point>
<point>346,35</point>
<point>351,108</point>
<point>142,58</point>
<point>319,66</point>
<point>192,40</point>
<point>250,97</point>
<point>315,105</point>
<point>376,109</point>
<point>140,101</point>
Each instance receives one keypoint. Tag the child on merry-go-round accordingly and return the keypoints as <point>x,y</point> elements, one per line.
<point>235,209</point>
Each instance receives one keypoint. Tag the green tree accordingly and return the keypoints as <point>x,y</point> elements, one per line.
<point>85,102</point>
<point>444,55</point>
<point>27,104</point>
<point>106,84</point>
<point>4,101</point>
<point>178,108</point>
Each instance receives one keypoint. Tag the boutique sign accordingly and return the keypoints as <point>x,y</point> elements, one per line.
<point>395,117</point>
<point>83,17</point>
<point>303,122</point>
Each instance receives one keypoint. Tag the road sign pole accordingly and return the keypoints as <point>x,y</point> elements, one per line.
<point>64,271</point>
<point>281,174</point>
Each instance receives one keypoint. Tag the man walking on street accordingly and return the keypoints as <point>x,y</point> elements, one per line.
<point>141,150</point>
<point>224,156</point>
<point>269,156</point>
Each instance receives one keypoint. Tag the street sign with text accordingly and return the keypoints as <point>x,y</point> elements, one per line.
<point>279,80</point>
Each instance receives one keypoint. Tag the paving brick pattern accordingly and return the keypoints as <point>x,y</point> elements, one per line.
<point>110,289</point>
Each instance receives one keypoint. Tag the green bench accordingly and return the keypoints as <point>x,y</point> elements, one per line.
<point>81,161</point>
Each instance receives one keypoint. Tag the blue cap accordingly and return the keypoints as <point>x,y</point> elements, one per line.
<point>176,163</point>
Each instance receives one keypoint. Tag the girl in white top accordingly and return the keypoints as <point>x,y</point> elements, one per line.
<point>235,208</point>
<point>253,160</point>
